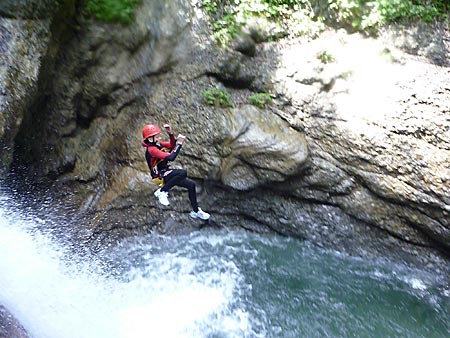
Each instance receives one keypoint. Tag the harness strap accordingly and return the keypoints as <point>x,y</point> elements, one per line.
<point>158,161</point>
<point>159,181</point>
<point>157,176</point>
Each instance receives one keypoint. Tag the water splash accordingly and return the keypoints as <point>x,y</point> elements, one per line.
<point>160,294</point>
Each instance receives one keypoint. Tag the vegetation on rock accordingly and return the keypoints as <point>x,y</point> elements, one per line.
<point>113,11</point>
<point>217,98</point>
<point>325,57</point>
<point>300,17</point>
<point>260,99</point>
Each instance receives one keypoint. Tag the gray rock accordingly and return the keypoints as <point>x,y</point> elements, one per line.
<point>244,43</point>
<point>263,149</point>
<point>9,326</point>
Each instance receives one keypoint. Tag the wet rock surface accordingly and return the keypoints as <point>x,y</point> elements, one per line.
<point>9,326</point>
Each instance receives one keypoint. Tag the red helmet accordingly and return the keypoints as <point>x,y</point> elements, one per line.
<point>150,130</point>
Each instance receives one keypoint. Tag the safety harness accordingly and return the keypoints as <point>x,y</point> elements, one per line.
<point>156,170</point>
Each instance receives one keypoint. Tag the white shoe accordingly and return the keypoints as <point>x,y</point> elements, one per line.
<point>162,196</point>
<point>199,214</point>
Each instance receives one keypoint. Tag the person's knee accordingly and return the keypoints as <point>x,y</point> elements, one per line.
<point>182,173</point>
<point>190,184</point>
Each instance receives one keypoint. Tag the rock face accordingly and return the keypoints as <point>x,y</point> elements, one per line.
<point>24,41</point>
<point>9,326</point>
<point>258,149</point>
<point>374,123</point>
<point>352,153</point>
<point>31,32</point>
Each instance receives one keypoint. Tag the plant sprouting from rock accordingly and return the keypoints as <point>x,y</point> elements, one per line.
<point>300,17</point>
<point>113,11</point>
<point>217,98</point>
<point>260,99</point>
<point>325,57</point>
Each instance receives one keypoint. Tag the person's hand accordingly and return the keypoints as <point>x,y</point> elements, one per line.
<point>168,128</point>
<point>180,139</point>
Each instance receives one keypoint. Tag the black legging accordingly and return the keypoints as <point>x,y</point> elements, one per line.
<point>178,177</point>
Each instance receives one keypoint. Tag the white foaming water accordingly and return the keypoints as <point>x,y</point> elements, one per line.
<point>165,295</point>
<point>417,284</point>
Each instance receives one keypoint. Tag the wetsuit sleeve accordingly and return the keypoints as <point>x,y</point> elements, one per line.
<point>174,153</point>
<point>159,154</point>
<point>170,145</point>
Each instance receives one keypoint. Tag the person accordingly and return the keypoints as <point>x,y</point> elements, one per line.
<point>158,154</point>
